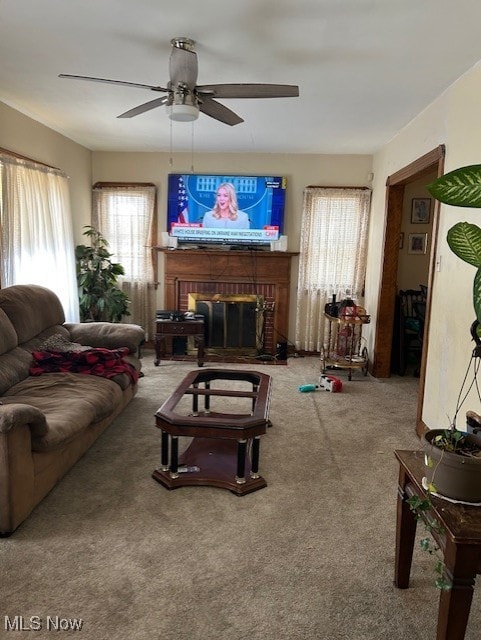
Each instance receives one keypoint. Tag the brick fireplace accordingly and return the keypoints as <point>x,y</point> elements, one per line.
<point>257,273</point>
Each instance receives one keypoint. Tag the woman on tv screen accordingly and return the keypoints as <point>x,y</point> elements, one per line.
<point>226,213</point>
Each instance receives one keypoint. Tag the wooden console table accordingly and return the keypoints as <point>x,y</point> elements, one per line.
<point>218,454</point>
<point>460,544</point>
<point>173,328</point>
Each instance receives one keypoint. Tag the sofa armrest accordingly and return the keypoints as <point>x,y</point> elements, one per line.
<point>19,423</point>
<point>109,335</point>
<point>17,414</point>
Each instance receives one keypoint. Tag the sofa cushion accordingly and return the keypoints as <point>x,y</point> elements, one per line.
<point>31,309</point>
<point>70,402</point>
<point>8,335</point>
<point>13,362</point>
<point>14,367</point>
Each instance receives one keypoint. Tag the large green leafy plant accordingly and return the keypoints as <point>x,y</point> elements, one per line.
<point>100,298</point>
<point>462,188</point>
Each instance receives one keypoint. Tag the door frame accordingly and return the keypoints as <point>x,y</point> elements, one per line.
<point>395,185</point>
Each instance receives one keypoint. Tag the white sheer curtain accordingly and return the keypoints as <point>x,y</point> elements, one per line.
<point>37,245</point>
<point>332,256</point>
<point>125,215</point>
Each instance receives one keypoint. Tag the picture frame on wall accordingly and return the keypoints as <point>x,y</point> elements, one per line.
<point>417,243</point>
<point>420,210</point>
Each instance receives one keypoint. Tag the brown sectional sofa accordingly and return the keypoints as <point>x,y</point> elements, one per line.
<point>48,421</point>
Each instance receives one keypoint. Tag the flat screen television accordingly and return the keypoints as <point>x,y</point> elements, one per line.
<point>239,210</point>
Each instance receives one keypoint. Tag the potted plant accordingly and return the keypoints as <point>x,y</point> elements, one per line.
<point>100,298</point>
<point>453,464</point>
<point>452,457</point>
<point>453,461</point>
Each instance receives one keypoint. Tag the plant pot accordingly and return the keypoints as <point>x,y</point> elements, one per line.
<point>454,476</point>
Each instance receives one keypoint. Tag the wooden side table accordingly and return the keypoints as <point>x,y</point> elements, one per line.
<point>460,544</point>
<point>183,328</point>
<point>218,455</point>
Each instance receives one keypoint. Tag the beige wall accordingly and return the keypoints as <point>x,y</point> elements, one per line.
<point>453,120</point>
<point>21,134</point>
<point>413,269</point>
<point>300,169</point>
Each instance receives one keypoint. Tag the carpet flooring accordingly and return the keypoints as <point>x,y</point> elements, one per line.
<point>309,556</point>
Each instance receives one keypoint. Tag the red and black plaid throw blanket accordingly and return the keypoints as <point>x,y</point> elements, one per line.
<point>98,361</point>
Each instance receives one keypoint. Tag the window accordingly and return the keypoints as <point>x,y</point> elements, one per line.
<point>37,245</point>
<point>125,215</point>
<point>333,256</point>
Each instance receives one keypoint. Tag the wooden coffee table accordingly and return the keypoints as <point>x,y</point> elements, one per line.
<point>224,451</point>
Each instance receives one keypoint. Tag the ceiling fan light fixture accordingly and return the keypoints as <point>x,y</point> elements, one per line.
<point>182,112</point>
<point>185,98</point>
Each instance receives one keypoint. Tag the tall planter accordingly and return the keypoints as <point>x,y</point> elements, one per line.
<point>452,474</point>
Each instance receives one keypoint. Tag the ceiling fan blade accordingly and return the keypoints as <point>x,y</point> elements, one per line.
<point>218,111</point>
<point>107,81</point>
<point>142,108</point>
<point>183,67</point>
<point>249,90</point>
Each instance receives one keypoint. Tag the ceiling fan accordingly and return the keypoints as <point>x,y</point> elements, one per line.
<point>185,98</point>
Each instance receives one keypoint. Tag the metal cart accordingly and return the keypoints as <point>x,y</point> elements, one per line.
<point>344,346</point>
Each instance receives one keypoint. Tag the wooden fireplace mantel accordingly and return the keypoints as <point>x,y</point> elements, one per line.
<point>266,273</point>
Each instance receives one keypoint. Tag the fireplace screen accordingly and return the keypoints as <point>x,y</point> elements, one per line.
<point>233,322</point>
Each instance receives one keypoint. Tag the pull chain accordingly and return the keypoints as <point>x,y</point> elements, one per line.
<point>192,149</point>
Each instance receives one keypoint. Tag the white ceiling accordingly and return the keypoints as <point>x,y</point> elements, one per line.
<point>365,68</point>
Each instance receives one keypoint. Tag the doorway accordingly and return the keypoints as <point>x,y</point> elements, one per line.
<point>395,188</point>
